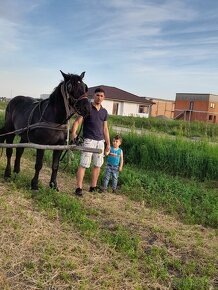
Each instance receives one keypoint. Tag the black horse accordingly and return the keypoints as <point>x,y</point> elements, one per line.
<point>44,122</point>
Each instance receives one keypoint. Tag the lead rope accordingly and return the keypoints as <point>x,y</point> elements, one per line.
<point>78,142</point>
<point>68,132</point>
<point>68,151</point>
<point>66,97</point>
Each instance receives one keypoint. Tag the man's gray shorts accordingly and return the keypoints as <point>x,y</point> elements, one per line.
<point>87,157</point>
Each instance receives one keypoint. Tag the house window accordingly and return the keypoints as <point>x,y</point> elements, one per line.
<point>210,117</point>
<point>143,109</point>
<point>212,105</point>
<point>191,106</point>
<point>115,108</point>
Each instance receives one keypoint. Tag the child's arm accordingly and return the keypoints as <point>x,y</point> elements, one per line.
<point>121,161</point>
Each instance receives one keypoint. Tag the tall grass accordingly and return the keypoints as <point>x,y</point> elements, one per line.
<point>172,127</point>
<point>189,200</point>
<point>176,157</point>
<point>3,105</point>
<point>2,119</point>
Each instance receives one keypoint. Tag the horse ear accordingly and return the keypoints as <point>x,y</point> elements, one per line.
<point>64,75</point>
<point>82,75</point>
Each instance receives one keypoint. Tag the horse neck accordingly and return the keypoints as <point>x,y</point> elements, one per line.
<point>56,107</point>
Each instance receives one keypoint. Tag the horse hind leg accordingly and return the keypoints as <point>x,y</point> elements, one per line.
<point>38,167</point>
<point>2,135</point>
<point>9,152</point>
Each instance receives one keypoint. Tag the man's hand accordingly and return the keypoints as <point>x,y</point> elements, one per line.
<point>107,150</point>
<point>73,137</point>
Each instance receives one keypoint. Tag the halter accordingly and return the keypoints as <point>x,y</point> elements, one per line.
<point>68,108</point>
<point>66,97</point>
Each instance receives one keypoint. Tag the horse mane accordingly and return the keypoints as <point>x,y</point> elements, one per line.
<point>53,95</point>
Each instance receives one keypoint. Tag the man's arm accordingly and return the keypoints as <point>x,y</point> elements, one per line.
<point>75,126</point>
<point>106,136</point>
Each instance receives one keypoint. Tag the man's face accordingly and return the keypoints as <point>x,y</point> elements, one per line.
<point>98,98</point>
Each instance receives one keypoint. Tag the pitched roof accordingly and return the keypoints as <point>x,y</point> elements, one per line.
<point>116,94</point>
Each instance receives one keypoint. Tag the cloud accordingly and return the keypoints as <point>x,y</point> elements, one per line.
<point>120,41</point>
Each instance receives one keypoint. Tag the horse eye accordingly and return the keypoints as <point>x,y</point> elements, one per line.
<point>79,82</point>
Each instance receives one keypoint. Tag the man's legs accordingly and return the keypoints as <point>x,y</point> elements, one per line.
<point>98,160</point>
<point>95,175</point>
<point>80,175</point>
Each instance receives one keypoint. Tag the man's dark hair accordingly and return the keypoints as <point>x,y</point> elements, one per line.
<point>99,90</point>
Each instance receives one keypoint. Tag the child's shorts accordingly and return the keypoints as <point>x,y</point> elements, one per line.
<point>87,157</point>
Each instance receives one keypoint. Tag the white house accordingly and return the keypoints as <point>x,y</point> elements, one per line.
<point>44,96</point>
<point>119,102</point>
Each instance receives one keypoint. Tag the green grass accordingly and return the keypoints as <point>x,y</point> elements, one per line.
<point>156,263</point>
<point>72,210</point>
<point>176,157</point>
<point>171,127</point>
<point>3,105</point>
<point>188,200</point>
<point>2,118</point>
<point>177,176</point>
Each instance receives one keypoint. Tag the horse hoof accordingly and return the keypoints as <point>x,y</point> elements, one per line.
<point>53,186</point>
<point>7,175</point>
<point>34,186</point>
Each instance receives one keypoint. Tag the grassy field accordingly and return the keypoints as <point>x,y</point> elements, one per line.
<point>178,176</point>
<point>158,232</point>
<point>3,105</point>
<point>103,241</point>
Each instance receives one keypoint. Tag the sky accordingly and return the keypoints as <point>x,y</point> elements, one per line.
<point>153,48</point>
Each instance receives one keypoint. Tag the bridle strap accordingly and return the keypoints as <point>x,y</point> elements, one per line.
<point>66,103</point>
<point>66,98</point>
<point>69,112</point>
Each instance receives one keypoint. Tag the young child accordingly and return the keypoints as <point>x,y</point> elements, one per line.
<point>114,163</point>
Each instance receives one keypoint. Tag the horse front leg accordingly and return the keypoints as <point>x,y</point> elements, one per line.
<point>9,152</point>
<point>38,167</point>
<point>55,166</point>
<point>19,153</point>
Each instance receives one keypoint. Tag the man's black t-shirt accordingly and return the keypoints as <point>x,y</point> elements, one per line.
<point>93,127</point>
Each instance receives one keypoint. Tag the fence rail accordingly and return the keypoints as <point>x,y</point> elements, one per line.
<point>50,147</point>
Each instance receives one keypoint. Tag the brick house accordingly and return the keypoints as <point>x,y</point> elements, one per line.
<point>120,102</point>
<point>162,107</point>
<point>196,107</point>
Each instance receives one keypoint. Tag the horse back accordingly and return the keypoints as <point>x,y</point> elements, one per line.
<point>18,112</point>
<point>23,112</point>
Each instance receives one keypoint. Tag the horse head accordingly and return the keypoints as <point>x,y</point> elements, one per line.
<point>76,93</point>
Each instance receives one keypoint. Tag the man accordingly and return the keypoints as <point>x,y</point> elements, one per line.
<point>95,133</point>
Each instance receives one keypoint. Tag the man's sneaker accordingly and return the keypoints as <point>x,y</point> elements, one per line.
<point>92,189</point>
<point>79,191</point>
<point>95,189</point>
